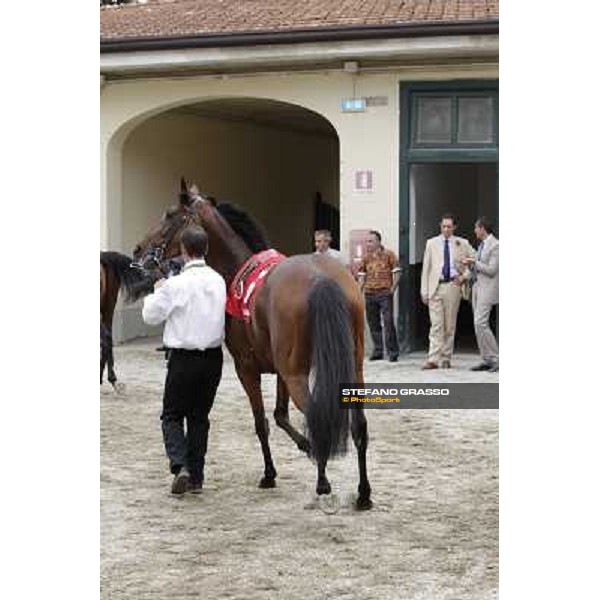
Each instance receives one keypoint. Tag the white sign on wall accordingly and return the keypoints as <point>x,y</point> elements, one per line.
<point>363,180</point>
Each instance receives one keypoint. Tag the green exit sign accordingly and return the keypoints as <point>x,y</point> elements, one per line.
<point>354,105</point>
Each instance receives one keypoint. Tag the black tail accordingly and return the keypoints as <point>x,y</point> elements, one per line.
<point>128,277</point>
<point>333,363</point>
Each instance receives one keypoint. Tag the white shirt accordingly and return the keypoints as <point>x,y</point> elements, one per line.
<point>451,242</point>
<point>193,306</point>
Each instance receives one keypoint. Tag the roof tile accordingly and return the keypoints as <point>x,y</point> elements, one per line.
<point>173,18</point>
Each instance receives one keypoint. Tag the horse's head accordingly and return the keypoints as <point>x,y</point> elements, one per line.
<point>163,242</point>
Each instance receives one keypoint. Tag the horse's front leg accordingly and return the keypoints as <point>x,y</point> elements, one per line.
<point>103,349</point>
<point>110,363</point>
<point>250,379</point>
<point>112,376</point>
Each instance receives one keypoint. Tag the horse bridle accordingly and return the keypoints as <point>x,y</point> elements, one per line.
<point>155,254</point>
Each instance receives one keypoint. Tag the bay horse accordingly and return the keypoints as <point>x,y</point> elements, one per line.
<point>307,322</point>
<point>116,273</point>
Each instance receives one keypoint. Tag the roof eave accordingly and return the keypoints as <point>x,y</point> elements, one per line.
<point>339,33</point>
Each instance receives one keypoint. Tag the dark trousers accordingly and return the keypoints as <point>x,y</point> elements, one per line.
<point>379,305</point>
<point>190,388</point>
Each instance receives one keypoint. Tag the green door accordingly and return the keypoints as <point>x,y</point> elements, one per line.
<point>448,163</point>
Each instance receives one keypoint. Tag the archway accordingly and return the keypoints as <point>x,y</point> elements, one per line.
<point>273,158</point>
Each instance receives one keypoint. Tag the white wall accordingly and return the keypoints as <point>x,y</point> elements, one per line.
<point>368,140</point>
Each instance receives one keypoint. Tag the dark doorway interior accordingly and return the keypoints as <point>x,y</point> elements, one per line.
<point>467,190</point>
<point>327,217</point>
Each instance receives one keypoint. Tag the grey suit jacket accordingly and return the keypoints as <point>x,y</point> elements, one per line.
<point>488,272</point>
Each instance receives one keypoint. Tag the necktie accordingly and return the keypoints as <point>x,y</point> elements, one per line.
<point>446,269</point>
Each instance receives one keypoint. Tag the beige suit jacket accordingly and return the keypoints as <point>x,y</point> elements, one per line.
<point>487,270</point>
<point>433,262</point>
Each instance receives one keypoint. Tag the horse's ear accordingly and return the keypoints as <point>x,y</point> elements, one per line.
<point>184,197</point>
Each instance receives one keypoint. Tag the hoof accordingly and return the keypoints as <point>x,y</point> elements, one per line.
<point>323,488</point>
<point>267,482</point>
<point>364,504</point>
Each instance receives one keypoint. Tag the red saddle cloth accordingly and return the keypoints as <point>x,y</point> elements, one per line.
<point>245,286</point>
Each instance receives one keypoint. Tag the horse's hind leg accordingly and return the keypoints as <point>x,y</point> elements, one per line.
<point>361,440</point>
<point>251,383</point>
<point>282,416</point>
<point>103,350</point>
<point>358,423</point>
<point>299,390</point>
<point>323,485</point>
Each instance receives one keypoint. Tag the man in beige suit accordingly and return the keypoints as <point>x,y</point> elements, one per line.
<point>441,280</point>
<point>486,283</point>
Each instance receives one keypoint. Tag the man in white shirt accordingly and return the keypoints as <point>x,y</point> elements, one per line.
<point>192,305</point>
<point>322,242</point>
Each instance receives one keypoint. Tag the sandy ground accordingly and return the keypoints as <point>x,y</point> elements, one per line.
<point>432,534</point>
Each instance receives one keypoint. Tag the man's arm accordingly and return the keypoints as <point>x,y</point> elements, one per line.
<point>465,262</point>
<point>491,267</point>
<point>362,274</point>
<point>158,306</point>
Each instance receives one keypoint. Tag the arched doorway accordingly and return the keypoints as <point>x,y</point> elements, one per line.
<point>273,158</point>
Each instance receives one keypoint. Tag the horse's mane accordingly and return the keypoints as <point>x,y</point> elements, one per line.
<point>244,225</point>
<point>125,274</point>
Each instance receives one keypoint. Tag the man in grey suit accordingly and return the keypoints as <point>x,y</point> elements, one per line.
<point>486,282</point>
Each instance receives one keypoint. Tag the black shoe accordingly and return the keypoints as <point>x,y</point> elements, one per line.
<point>376,356</point>
<point>482,367</point>
<point>194,487</point>
<point>393,358</point>
<point>494,369</point>
<point>180,482</point>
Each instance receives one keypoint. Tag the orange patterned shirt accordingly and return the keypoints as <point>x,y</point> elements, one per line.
<point>378,267</point>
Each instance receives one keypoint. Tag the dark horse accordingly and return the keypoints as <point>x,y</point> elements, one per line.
<point>116,273</point>
<point>307,319</point>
